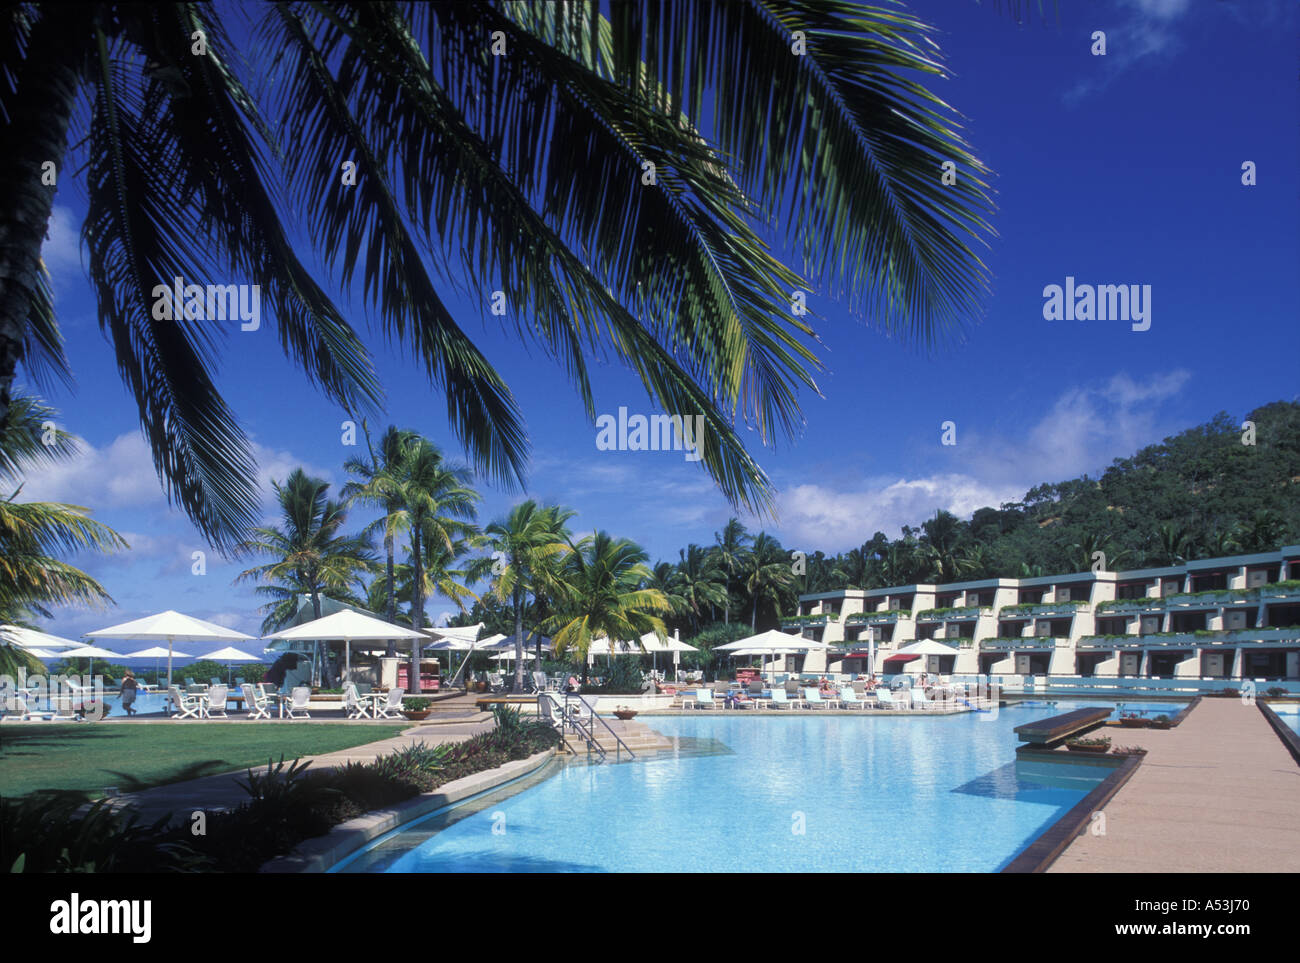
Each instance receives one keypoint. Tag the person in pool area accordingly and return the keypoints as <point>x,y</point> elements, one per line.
<point>129,689</point>
<point>572,684</point>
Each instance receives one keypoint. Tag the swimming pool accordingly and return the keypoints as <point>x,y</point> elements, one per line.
<point>767,794</point>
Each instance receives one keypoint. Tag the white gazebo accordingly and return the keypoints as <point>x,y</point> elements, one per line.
<point>347,627</point>
<point>170,627</point>
<point>921,648</point>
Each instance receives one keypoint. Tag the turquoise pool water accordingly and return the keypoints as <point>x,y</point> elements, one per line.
<point>1121,707</point>
<point>767,794</point>
<point>1289,714</point>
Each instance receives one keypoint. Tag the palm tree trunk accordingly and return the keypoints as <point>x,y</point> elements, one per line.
<point>519,640</point>
<point>37,132</point>
<point>392,592</point>
<point>417,607</point>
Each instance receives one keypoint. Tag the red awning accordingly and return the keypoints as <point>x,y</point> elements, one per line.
<point>856,655</point>
<point>902,658</point>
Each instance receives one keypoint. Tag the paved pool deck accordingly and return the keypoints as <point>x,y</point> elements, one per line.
<point>1219,793</point>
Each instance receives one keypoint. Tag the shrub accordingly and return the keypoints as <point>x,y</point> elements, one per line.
<point>416,704</point>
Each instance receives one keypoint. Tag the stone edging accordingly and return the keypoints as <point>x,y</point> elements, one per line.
<point>318,854</point>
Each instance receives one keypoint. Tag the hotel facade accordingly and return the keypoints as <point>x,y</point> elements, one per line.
<point>1220,618</point>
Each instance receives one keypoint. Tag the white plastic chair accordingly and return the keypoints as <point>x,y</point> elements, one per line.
<point>353,707</point>
<point>298,701</point>
<point>391,709</point>
<point>258,705</point>
<point>184,705</point>
<point>215,704</point>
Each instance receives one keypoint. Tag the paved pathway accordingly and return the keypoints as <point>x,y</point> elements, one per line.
<point>1219,793</point>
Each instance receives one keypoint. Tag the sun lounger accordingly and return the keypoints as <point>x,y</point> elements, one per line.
<point>849,698</point>
<point>919,700</point>
<point>812,699</point>
<point>259,706</point>
<point>780,700</point>
<point>296,707</point>
<point>885,700</point>
<point>703,699</point>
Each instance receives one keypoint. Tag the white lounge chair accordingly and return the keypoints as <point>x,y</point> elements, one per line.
<point>214,705</point>
<point>812,699</point>
<point>780,700</point>
<point>579,710</point>
<point>849,698</point>
<point>392,709</point>
<point>298,701</point>
<point>548,708</point>
<point>185,705</point>
<point>353,707</point>
<point>258,705</point>
<point>885,700</point>
<point>703,699</point>
<point>919,700</point>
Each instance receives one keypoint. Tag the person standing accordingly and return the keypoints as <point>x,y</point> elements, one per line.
<point>129,690</point>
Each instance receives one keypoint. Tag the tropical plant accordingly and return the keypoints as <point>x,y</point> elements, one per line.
<point>697,581</point>
<point>34,534</point>
<point>526,546</point>
<point>601,596</point>
<point>592,250</point>
<point>376,485</point>
<point>729,550</point>
<point>311,554</point>
<point>766,577</point>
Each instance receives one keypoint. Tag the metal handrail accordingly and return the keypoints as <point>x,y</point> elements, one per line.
<point>595,715</point>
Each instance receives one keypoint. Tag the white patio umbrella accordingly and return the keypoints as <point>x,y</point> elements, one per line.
<point>348,627</point>
<point>924,647</point>
<point>89,652</point>
<point>154,652</point>
<point>230,655</point>
<point>25,638</point>
<point>170,627</point>
<point>772,643</point>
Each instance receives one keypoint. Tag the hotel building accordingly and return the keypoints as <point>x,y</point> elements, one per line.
<point>1218,618</point>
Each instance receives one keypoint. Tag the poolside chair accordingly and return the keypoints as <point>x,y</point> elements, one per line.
<point>215,706</point>
<point>239,680</point>
<point>703,699</point>
<point>392,709</point>
<point>919,700</point>
<point>780,700</point>
<point>885,700</point>
<point>185,705</point>
<point>792,688</point>
<point>849,698</point>
<point>213,680</point>
<point>812,699</point>
<point>353,707</point>
<point>539,681</point>
<point>756,689</point>
<point>258,705</point>
<point>298,700</point>
<point>860,687</point>
<point>17,705</point>
<point>580,711</point>
<point>189,681</point>
<point>548,709</point>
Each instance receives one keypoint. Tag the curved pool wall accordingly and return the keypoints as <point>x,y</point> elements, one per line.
<point>770,793</point>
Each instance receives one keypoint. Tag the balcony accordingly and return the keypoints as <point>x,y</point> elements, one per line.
<point>888,617</point>
<point>955,613</point>
<point>1143,606</point>
<point>1024,643</point>
<point>1212,599</point>
<point>1178,640</point>
<point>818,618</point>
<point>1290,634</point>
<point>1032,609</point>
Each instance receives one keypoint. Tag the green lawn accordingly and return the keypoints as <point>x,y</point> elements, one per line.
<point>89,757</point>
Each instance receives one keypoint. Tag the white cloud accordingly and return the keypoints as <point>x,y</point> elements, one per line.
<point>61,250</point>
<point>1087,428</point>
<point>1149,28</point>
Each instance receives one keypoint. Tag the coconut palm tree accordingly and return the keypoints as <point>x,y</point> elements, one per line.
<point>34,534</point>
<point>434,506</point>
<point>766,576</point>
<point>311,554</point>
<point>730,548</point>
<point>698,581</point>
<point>377,485</point>
<point>608,176</point>
<point>603,596</point>
<point>526,547</point>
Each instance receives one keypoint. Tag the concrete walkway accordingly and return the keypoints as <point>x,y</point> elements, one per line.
<point>1220,793</point>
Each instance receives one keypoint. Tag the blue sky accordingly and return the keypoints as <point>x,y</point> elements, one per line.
<point>1117,169</point>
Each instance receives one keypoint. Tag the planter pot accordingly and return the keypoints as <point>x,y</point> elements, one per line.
<point>1121,755</point>
<point>416,715</point>
<point>1096,750</point>
<point>625,714</point>
<point>1160,725</point>
<point>1135,723</point>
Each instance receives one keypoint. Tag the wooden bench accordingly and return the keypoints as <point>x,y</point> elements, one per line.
<point>1049,733</point>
